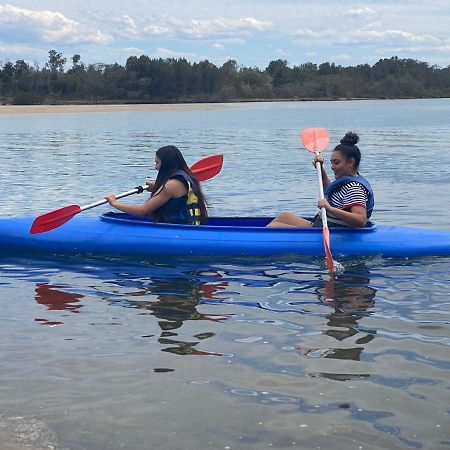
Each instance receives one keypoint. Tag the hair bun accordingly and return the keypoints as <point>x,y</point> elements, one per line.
<point>350,138</point>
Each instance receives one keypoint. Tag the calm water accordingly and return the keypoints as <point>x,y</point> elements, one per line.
<point>111,353</point>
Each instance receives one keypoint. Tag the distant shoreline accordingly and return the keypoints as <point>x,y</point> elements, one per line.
<point>69,108</point>
<point>102,108</point>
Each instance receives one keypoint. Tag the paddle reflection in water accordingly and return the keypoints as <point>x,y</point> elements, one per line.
<point>56,299</point>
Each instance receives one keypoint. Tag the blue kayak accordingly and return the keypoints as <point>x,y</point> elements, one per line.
<point>123,235</point>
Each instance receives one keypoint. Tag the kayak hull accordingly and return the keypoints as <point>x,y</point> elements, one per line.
<point>123,235</point>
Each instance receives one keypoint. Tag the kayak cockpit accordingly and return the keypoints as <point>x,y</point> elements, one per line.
<point>233,222</point>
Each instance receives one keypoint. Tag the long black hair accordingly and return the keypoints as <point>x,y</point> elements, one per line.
<point>349,149</point>
<point>171,161</point>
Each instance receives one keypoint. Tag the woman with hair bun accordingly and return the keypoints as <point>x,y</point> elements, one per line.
<point>349,199</point>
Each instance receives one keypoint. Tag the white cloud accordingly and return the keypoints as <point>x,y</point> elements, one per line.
<point>445,49</point>
<point>280,52</point>
<point>368,36</point>
<point>14,52</point>
<point>341,58</point>
<point>362,36</point>
<point>21,25</point>
<point>230,41</point>
<point>18,49</point>
<point>104,30</point>
<point>201,29</point>
<point>126,26</point>
<point>157,30</point>
<point>221,44</point>
<point>129,50</point>
<point>364,12</point>
<point>165,26</point>
<point>166,53</point>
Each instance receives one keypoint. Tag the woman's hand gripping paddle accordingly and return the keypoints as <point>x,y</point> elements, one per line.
<point>316,140</point>
<point>203,170</point>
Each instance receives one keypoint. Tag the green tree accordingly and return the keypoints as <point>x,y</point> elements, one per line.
<point>55,62</point>
<point>144,79</point>
<point>76,61</point>
<point>279,71</point>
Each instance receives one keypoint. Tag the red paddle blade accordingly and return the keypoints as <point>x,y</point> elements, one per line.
<point>326,245</point>
<point>315,139</point>
<point>207,168</point>
<point>53,219</point>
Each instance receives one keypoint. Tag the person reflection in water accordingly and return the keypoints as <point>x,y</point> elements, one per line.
<point>351,298</point>
<point>177,301</point>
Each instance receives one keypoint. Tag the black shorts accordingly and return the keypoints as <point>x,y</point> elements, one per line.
<point>317,222</point>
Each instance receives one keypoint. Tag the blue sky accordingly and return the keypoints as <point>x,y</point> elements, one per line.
<point>252,32</point>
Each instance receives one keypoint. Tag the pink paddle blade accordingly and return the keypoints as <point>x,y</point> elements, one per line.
<point>315,139</point>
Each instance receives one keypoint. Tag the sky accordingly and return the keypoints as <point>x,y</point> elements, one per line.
<point>252,32</point>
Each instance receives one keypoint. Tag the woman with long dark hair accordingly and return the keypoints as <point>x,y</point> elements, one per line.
<point>349,199</point>
<point>176,194</point>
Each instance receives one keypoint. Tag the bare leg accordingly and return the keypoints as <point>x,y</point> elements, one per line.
<point>287,219</point>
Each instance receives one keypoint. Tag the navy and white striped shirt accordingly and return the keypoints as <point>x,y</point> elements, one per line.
<point>350,194</point>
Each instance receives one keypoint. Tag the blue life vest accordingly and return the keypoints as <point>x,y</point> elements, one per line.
<point>184,210</point>
<point>341,181</point>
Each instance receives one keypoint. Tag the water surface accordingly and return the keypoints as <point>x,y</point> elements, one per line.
<point>111,353</point>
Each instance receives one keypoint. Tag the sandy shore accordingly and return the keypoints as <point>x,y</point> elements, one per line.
<point>67,109</point>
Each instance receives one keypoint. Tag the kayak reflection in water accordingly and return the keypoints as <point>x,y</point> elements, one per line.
<point>176,195</point>
<point>349,199</point>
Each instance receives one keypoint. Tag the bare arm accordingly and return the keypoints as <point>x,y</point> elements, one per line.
<point>172,189</point>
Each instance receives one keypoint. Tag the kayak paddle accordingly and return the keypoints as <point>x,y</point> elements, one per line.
<point>203,170</point>
<point>316,140</point>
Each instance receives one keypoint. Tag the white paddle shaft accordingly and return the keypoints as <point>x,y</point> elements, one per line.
<point>136,190</point>
<point>321,194</point>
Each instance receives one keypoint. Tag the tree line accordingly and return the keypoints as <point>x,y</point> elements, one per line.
<point>157,80</point>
